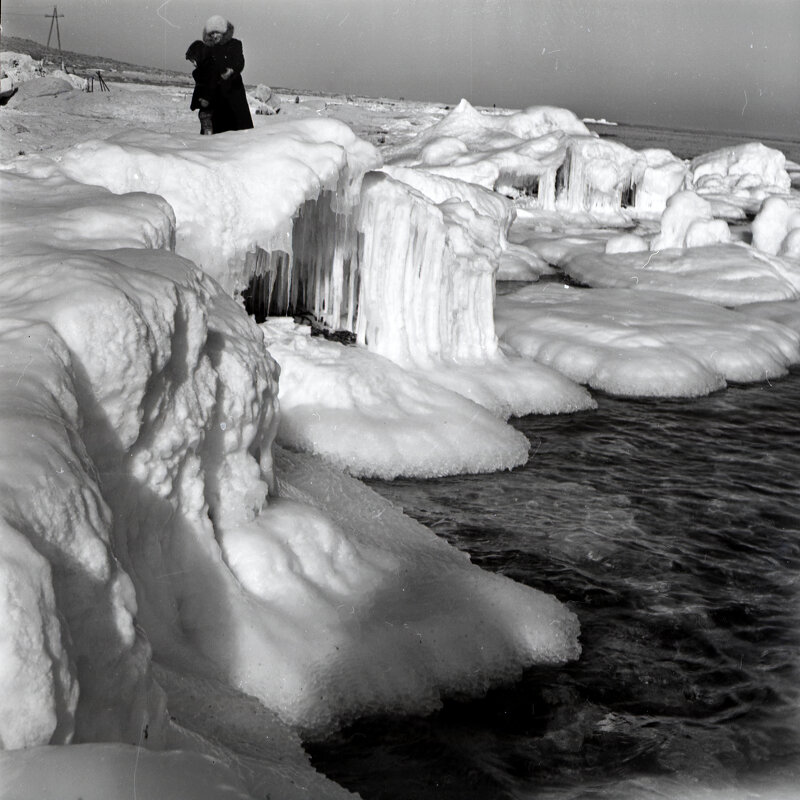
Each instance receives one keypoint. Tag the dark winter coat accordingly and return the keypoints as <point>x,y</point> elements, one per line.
<point>229,109</point>
<point>206,79</point>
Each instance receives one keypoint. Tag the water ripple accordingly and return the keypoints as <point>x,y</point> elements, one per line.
<point>672,528</point>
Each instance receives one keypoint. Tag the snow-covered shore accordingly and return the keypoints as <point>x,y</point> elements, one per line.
<point>159,547</point>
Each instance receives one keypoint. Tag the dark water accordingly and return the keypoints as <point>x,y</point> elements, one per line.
<point>672,528</point>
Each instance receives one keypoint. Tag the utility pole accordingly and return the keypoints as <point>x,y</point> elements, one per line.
<point>54,20</point>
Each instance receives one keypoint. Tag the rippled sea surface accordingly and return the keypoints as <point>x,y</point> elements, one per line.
<point>672,528</point>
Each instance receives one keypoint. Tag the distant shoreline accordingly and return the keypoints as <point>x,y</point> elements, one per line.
<point>685,142</point>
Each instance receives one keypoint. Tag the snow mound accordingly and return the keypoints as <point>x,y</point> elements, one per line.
<point>776,227</point>
<point>20,67</point>
<point>688,221</point>
<point>81,603</point>
<point>643,343</point>
<point>71,215</point>
<point>372,418</point>
<point>727,274</point>
<point>467,628</point>
<point>178,399</point>
<point>744,175</point>
<point>235,192</point>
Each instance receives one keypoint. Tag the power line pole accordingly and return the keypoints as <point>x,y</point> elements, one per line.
<point>54,20</point>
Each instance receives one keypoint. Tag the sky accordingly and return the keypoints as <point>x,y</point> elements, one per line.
<point>723,65</point>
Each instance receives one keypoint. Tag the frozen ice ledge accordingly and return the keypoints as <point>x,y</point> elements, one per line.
<point>166,569</point>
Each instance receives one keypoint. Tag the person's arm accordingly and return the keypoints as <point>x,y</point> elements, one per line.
<point>234,59</point>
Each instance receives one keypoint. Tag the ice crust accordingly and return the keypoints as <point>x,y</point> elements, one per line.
<point>367,415</point>
<point>727,274</point>
<point>742,176</point>
<point>643,343</point>
<point>372,418</point>
<point>233,194</point>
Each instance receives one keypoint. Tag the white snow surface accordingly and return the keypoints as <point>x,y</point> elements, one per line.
<point>776,228</point>
<point>643,343</point>
<point>232,193</point>
<point>367,415</point>
<point>744,175</point>
<point>730,274</point>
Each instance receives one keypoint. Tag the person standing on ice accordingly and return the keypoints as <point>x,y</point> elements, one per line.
<point>229,109</point>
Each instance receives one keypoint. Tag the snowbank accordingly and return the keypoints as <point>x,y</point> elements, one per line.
<point>727,274</point>
<point>643,343</point>
<point>233,193</point>
<point>145,515</point>
<point>20,67</point>
<point>365,414</point>
<point>776,227</point>
<point>744,175</point>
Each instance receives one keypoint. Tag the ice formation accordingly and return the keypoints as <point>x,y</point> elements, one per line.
<point>239,195</point>
<point>597,176</point>
<point>694,254</point>
<point>661,176</point>
<point>485,133</point>
<point>728,274</point>
<point>688,221</point>
<point>643,343</point>
<point>514,154</point>
<point>372,418</point>
<point>776,227</point>
<point>366,414</point>
<point>544,154</point>
<point>143,507</point>
<point>404,258</point>
<point>435,260</point>
<point>744,175</point>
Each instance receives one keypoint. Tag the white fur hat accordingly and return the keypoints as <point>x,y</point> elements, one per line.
<point>216,24</point>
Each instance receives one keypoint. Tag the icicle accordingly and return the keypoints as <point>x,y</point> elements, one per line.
<point>310,271</point>
<point>427,276</point>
